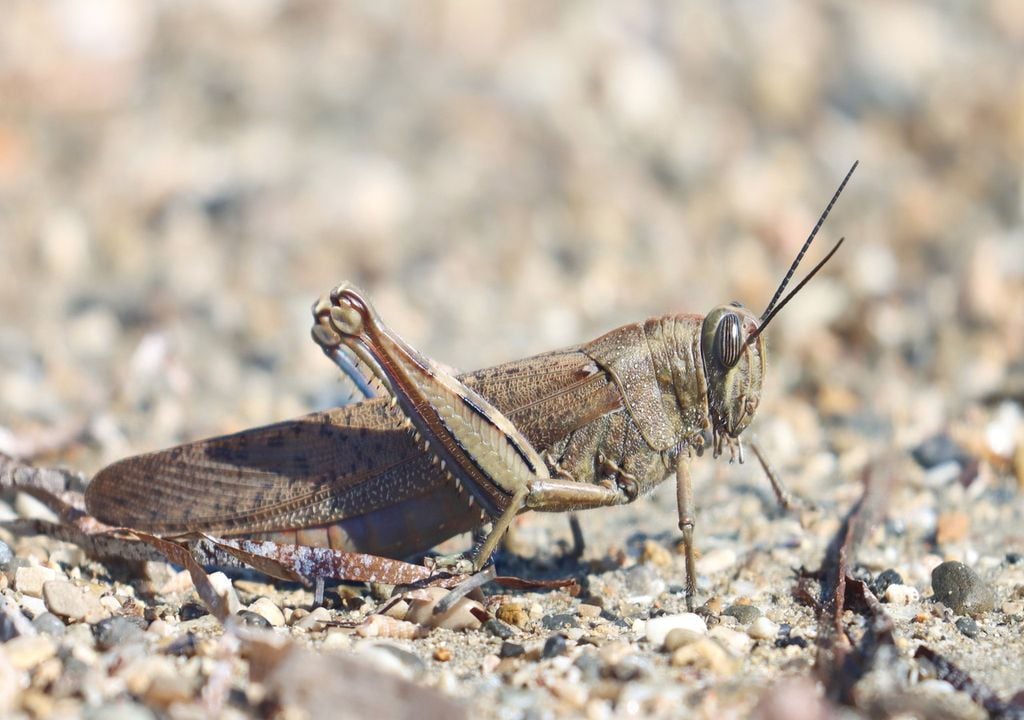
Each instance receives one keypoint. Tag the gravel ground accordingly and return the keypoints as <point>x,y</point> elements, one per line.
<point>178,183</point>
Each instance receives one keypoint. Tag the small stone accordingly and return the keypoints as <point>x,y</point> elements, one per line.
<point>315,620</point>
<point>29,580</point>
<point>6,556</point>
<point>960,588</point>
<point>509,650</point>
<point>165,690</point>
<point>1012,607</point>
<point>560,621</point>
<point>655,554</point>
<point>705,653</point>
<point>716,561</point>
<point>1014,558</point>
<point>121,710</point>
<point>464,615</point>
<point>677,637</point>
<point>744,613</point>
<point>967,626</point>
<point>554,646</point>
<point>27,651</point>
<point>222,584</point>
<point>192,611</point>
<point>115,631</point>
<point>49,623</point>
<point>269,610</point>
<point>499,629</point>
<point>952,527</point>
<point>897,594</point>
<point>643,581</point>
<point>70,601</point>
<point>658,628</point>
<point>939,450</point>
<point>513,614</point>
<point>588,611</point>
<point>736,642</point>
<point>252,619</point>
<point>883,580</point>
<point>763,629</point>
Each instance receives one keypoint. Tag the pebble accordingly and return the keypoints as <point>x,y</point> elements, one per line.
<point>8,627</point>
<point>513,614</point>
<point>763,629</point>
<point>6,556</point>
<point>168,689</point>
<point>115,631</point>
<point>939,450</point>
<point>658,628</point>
<point>897,594</point>
<point>253,619</point>
<point>29,580</point>
<point>49,623</point>
<point>655,554</point>
<point>744,613</point>
<point>960,588</point>
<point>463,616</point>
<point>510,649</point>
<point>27,651</point>
<point>554,646</point>
<point>716,561</point>
<point>499,629</point>
<point>588,611</point>
<point>706,654</point>
<point>883,580</point>
<point>736,642</point>
<point>677,637</point>
<point>967,626</point>
<point>124,710</point>
<point>70,601</point>
<point>643,581</point>
<point>269,610</point>
<point>317,619</point>
<point>952,527</point>
<point>559,621</point>
<point>442,654</point>
<point>222,584</point>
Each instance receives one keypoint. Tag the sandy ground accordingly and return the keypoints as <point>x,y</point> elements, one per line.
<point>179,182</point>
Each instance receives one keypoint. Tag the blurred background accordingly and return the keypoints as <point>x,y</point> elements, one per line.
<point>180,181</point>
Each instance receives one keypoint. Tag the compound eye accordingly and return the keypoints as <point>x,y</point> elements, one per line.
<point>728,340</point>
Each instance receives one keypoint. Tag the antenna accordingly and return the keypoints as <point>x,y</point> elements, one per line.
<point>769,311</point>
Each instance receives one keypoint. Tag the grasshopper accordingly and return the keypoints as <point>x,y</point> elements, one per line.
<point>590,426</point>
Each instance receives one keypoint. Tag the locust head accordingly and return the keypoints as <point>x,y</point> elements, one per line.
<point>733,350</point>
<point>733,370</point>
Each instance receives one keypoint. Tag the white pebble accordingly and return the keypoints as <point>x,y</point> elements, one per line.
<point>763,629</point>
<point>901,594</point>
<point>29,580</point>
<point>716,561</point>
<point>222,584</point>
<point>736,642</point>
<point>266,608</point>
<point>658,628</point>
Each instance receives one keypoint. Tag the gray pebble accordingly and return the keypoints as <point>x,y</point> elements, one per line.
<point>7,628</point>
<point>883,580</point>
<point>252,619</point>
<point>744,614</point>
<point>554,646</point>
<point>960,588</point>
<point>49,623</point>
<point>643,580</point>
<point>6,556</point>
<point>124,710</point>
<point>115,631</point>
<point>499,629</point>
<point>589,665</point>
<point>192,610</point>
<point>939,450</point>
<point>509,649</point>
<point>967,626</point>
<point>560,621</point>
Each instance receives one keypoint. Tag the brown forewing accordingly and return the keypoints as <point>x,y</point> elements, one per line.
<point>328,466</point>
